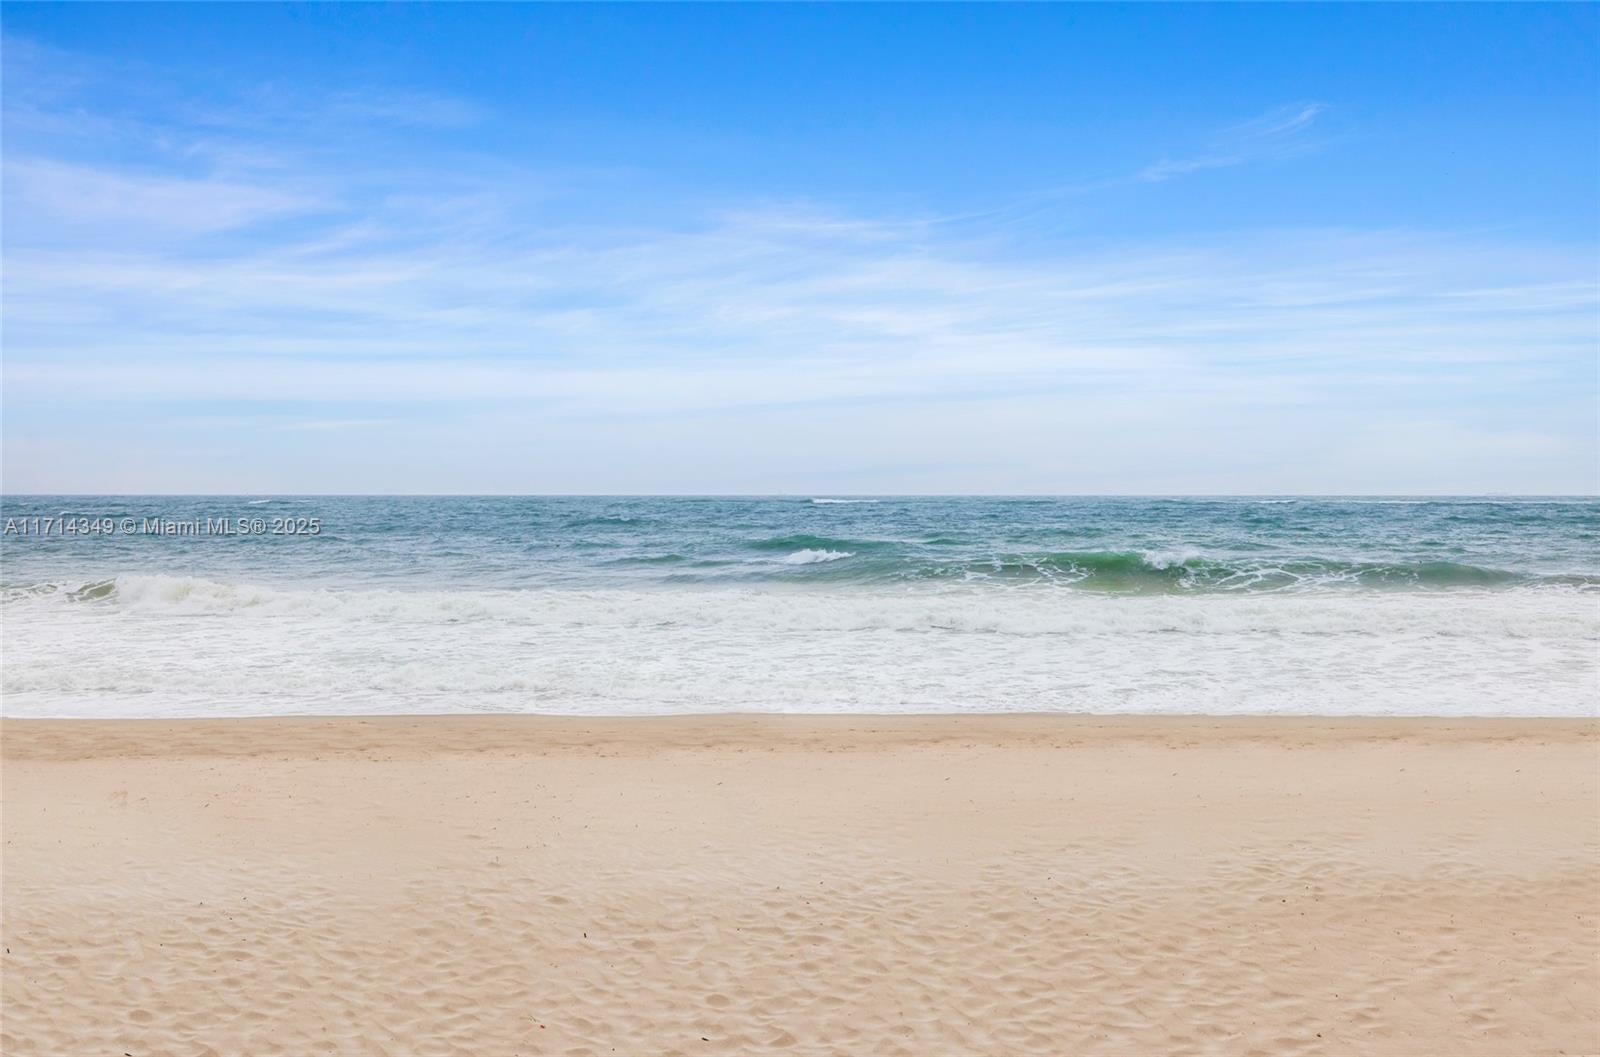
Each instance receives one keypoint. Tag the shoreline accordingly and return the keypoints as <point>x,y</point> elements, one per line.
<point>758,883</point>
<point>72,737</point>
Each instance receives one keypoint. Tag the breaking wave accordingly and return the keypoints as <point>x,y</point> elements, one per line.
<point>808,556</point>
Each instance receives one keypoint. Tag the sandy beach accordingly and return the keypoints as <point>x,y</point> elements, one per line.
<point>917,885</point>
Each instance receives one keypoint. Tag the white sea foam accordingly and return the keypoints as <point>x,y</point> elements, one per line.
<point>159,645</point>
<point>841,502</point>
<point>811,556</point>
<point>1171,559</point>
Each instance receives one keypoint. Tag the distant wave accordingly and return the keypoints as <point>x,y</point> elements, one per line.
<point>1193,572</point>
<point>608,521</point>
<point>813,557</point>
<point>841,502</point>
<point>1190,570</point>
<point>1174,571</point>
<point>806,541</point>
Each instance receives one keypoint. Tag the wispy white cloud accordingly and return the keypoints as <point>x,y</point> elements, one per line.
<point>757,308</point>
<point>1275,123</point>
<point>404,108</point>
<point>1278,133</point>
<point>62,194</point>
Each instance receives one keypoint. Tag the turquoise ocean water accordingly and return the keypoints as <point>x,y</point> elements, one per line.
<point>147,606</point>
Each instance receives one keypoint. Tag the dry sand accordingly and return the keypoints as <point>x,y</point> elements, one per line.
<point>996,885</point>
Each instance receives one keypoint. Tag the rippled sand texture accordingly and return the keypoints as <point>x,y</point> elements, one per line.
<point>998,885</point>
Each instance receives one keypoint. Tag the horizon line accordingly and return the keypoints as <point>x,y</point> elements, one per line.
<point>810,494</point>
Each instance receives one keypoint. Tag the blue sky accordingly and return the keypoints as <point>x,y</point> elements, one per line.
<point>461,248</point>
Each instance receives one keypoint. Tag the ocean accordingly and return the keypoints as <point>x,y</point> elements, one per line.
<point>136,606</point>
